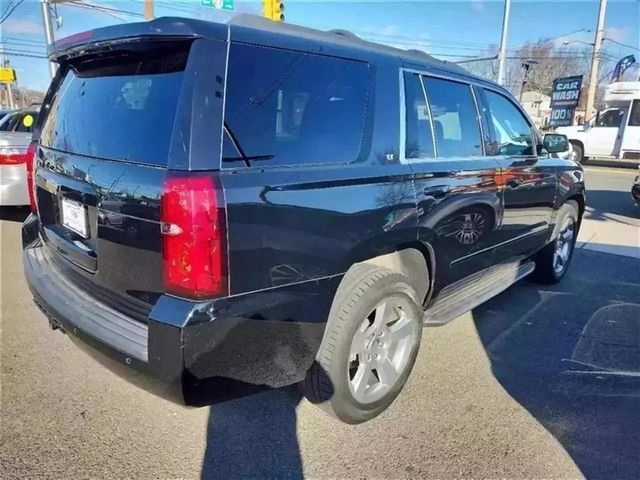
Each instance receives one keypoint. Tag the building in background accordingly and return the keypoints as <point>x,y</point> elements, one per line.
<point>538,107</point>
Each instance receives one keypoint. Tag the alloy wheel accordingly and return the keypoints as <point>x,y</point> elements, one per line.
<point>380,349</point>
<point>564,245</point>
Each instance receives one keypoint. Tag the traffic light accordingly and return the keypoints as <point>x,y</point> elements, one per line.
<point>273,9</point>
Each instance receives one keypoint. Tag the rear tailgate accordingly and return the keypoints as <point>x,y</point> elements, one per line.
<point>117,117</point>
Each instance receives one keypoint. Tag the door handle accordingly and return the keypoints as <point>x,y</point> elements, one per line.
<point>513,182</point>
<point>438,191</point>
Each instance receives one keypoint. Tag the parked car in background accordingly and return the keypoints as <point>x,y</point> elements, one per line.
<point>269,204</point>
<point>15,137</point>
<point>3,113</point>
<point>635,189</point>
<point>615,131</point>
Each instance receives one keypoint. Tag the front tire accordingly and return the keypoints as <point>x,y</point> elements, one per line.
<point>369,347</point>
<point>553,260</point>
<point>578,152</point>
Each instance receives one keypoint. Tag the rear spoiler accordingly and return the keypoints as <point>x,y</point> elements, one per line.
<point>164,28</point>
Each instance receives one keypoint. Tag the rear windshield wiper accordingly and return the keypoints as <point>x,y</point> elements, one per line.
<point>255,157</point>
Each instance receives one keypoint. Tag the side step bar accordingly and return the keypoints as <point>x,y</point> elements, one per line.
<point>468,293</point>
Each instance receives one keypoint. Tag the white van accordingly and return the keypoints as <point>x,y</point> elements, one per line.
<point>615,131</point>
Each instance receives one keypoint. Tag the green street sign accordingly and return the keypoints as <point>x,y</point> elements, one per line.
<point>219,4</point>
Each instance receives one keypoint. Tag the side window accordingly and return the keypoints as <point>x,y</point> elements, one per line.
<point>419,140</point>
<point>610,118</point>
<point>512,132</point>
<point>634,118</point>
<point>289,108</point>
<point>455,119</point>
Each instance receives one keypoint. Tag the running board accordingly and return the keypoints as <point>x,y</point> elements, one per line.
<point>466,294</point>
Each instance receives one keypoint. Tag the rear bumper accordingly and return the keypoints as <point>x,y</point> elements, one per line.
<point>192,353</point>
<point>13,185</point>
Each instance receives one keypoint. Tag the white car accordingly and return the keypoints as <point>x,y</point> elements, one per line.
<point>614,133</point>
<point>15,136</point>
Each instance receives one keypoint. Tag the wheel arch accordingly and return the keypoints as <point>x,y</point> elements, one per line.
<point>414,260</point>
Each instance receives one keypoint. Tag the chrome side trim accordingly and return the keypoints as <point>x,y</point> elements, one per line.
<point>428,103</point>
<point>533,231</point>
<point>479,120</point>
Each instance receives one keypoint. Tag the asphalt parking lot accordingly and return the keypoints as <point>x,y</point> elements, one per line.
<point>540,382</point>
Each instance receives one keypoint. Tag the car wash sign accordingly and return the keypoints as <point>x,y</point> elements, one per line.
<point>564,100</point>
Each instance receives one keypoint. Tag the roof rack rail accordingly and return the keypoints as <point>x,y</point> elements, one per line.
<point>344,33</point>
<point>418,52</point>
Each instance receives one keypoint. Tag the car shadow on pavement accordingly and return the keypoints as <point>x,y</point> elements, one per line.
<point>570,354</point>
<point>254,437</point>
<point>14,214</point>
<point>610,202</point>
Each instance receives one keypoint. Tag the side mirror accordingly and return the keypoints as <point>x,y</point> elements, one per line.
<point>556,143</point>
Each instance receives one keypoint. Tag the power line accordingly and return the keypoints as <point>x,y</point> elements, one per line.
<point>622,44</point>
<point>96,8</point>
<point>24,54</point>
<point>9,37</point>
<point>104,9</point>
<point>8,14</point>
<point>17,42</point>
<point>7,8</point>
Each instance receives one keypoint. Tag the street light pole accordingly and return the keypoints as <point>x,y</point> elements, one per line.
<point>503,42</point>
<point>595,61</point>
<point>48,30</point>
<point>148,10</point>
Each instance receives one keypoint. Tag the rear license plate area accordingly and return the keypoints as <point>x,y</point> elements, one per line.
<point>74,217</point>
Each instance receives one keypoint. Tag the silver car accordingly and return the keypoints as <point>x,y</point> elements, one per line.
<point>15,135</point>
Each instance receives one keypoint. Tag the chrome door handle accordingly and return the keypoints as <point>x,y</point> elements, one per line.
<point>513,183</point>
<point>436,192</point>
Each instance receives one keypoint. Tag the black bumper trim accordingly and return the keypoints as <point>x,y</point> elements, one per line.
<point>60,298</point>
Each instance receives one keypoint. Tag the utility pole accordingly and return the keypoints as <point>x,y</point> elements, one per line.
<point>595,62</point>
<point>525,67</point>
<point>48,30</point>
<point>148,10</point>
<point>502,56</point>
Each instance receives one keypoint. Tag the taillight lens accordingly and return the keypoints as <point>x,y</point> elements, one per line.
<point>13,155</point>
<point>194,236</point>
<point>31,160</point>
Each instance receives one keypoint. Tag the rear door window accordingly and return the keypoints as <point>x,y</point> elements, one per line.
<point>289,108</point>
<point>120,108</point>
<point>455,118</point>
<point>419,139</point>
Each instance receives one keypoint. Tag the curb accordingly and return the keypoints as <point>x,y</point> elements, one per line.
<point>632,164</point>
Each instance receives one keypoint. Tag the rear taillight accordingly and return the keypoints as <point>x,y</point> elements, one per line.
<point>31,160</point>
<point>13,155</point>
<point>194,236</point>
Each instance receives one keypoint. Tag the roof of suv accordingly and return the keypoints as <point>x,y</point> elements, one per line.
<point>340,37</point>
<point>243,25</point>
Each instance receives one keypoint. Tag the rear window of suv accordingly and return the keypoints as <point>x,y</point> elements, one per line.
<point>120,108</point>
<point>289,108</point>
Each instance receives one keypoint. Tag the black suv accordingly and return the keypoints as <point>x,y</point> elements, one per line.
<point>223,208</point>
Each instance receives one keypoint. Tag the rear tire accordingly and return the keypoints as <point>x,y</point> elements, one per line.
<point>552,262</point>
<point>369,346</point>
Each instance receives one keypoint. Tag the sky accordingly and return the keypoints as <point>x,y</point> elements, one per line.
<point>454,29</point>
